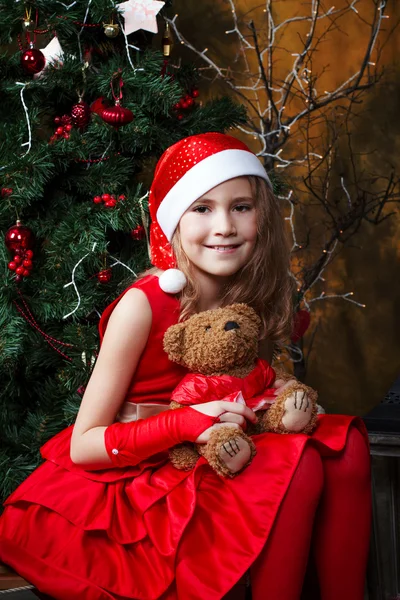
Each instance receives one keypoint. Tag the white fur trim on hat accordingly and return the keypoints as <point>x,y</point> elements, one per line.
<point>172,281</point>
<point>201,178</point>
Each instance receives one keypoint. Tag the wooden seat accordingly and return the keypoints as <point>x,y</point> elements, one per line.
<point>9,579</point>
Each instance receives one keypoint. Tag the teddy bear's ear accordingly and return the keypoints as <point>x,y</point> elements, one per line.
<point>174,342</point>
<point>246,311</point>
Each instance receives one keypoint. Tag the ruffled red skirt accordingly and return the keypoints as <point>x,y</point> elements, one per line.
<point>151,532</point>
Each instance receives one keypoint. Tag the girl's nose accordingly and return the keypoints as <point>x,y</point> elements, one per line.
<point>224,223</point>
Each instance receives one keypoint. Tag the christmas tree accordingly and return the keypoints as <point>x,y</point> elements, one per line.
<point>88,103</point>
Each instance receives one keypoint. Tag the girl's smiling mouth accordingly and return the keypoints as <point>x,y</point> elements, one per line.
<point>225,248</point>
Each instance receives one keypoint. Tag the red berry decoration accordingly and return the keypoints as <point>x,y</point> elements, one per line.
<point>19,237</point>
<point>110,203</point>
<point>80,114</point>
<point>33,61</point>
<point>97,200</point>
<point>195,93</point>
<point>5,192</point>
<point>104,276</point>
<point>139,233</point>
<point>81,390</point>
<point>121,197</point>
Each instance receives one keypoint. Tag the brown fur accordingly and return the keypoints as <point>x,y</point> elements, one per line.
<point>203,345</point>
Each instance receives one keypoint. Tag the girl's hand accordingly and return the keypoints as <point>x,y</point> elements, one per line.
<point>229,413</point>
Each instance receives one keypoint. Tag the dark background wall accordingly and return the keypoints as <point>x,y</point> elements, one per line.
<point>356,352</point>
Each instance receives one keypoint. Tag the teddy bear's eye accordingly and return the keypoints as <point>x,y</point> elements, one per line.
<point>207,327</point>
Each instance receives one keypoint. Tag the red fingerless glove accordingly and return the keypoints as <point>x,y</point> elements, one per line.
<point>127,444</point>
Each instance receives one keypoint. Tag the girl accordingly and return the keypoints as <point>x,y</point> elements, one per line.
<point>107,516</point>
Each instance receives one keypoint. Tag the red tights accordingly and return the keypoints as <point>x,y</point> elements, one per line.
<point>327,508</point>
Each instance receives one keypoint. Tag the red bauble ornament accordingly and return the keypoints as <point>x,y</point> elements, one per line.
<point>139,233</point>
<point>19,237</point>
<point>80,114</point>
<point>99,105</point>
<point>301,323</point>
<point>104,276</point>
<point>5,192</point>
<point>33,61</point>
<point>117,115</point>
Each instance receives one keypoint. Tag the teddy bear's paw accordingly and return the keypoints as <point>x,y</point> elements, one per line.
<point>294,411</point>
<point>228,451</point>
<point>235,454</point>
<point>298,411</point>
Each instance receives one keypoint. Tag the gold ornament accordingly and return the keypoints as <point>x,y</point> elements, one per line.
<point>27,22</point>
<point>28,25</point>
<point>111,29</point>
<point>166,41</point>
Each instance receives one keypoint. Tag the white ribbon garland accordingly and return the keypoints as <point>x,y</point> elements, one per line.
<point>72,282</point>
<point>29,142</point>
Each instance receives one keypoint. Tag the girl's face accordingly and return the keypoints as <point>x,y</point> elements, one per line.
<point>218,232</point>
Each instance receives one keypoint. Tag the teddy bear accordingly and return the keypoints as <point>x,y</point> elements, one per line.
<point>220,348</point>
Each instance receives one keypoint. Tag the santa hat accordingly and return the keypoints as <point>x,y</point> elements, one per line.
<point>185,172</point>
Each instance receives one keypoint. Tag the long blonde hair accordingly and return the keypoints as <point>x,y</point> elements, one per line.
<point>264,282</point>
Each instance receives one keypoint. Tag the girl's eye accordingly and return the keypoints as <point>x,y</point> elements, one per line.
<point>243,207</point>
<point>201,209</point>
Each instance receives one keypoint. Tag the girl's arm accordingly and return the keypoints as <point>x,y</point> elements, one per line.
<point>97,441</point>
<point>124,341</point>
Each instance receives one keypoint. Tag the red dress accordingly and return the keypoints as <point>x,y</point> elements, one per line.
<point>151,532</point>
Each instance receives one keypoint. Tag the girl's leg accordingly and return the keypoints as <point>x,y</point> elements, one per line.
<point>342,526</point>
<point>278,572</point>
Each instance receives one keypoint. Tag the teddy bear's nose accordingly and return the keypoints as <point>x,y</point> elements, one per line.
<point>231,325</point>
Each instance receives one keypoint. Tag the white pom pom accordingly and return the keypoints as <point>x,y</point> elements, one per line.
<point>172,281</point>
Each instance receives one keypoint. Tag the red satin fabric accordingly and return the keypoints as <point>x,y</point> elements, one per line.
<point>196,388</point>
<point>149,531</point>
